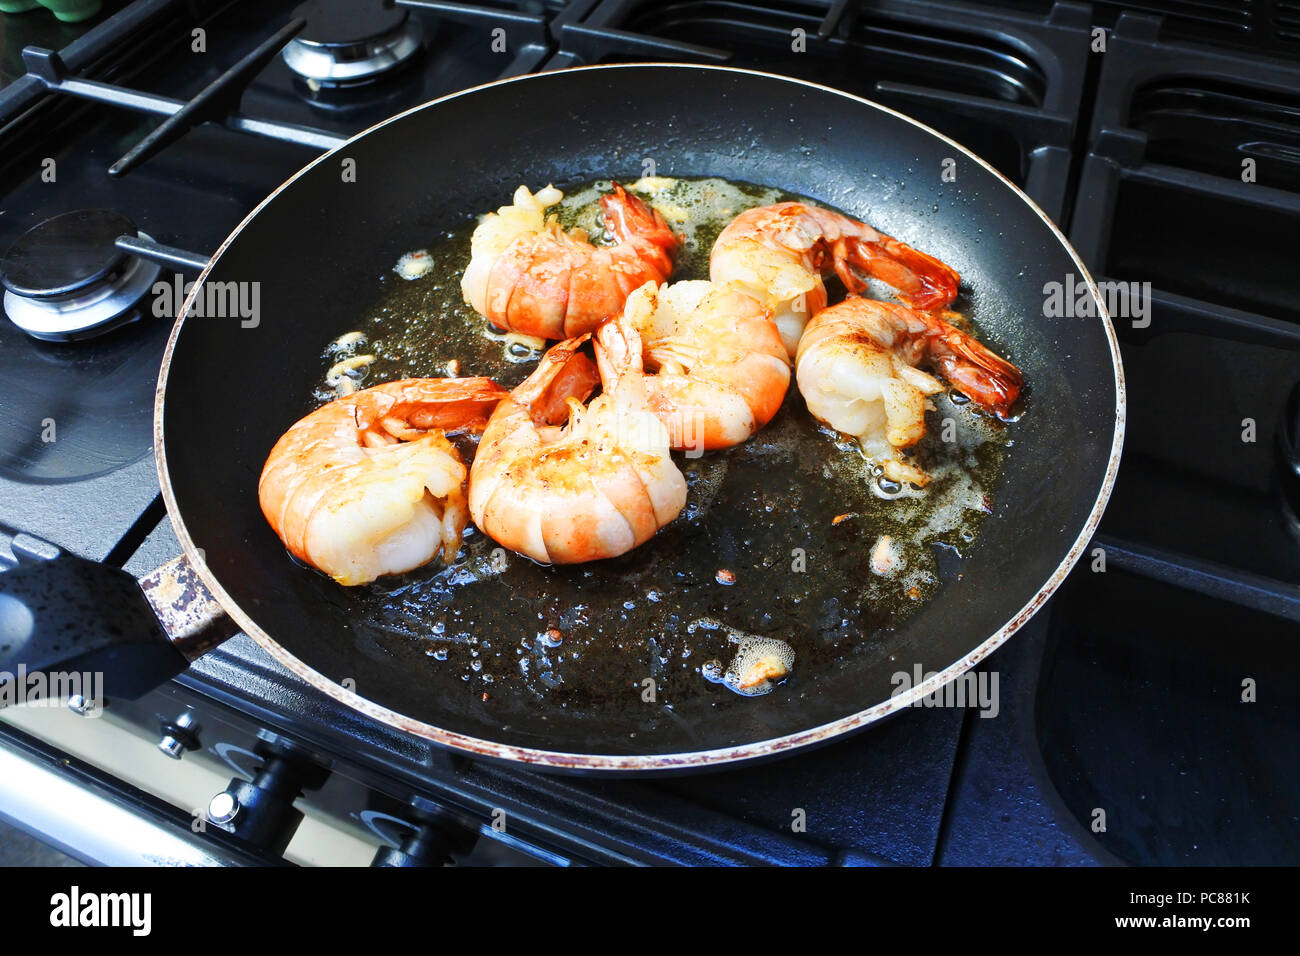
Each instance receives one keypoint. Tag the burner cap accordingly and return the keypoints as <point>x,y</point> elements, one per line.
<point>347,42</point>
<point>348,22</point>
<point>66,254</point>
<point>66,278</point>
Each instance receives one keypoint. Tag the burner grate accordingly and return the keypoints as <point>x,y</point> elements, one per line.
<point>1197,588</point>
<point>1270,27</point>
<point>1005,85</point>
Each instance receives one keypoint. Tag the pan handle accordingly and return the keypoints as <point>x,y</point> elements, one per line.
<point>62,615</point>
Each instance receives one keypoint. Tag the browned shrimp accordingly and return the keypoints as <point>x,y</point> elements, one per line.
<point>716,369</point>
<point>528,275</point>
<point>561,482</point>
<point>368,484</point>
<point>857,372</point>
<point>779,254</point>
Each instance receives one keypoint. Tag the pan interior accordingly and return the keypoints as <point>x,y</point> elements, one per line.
<point>315,253</point>
<point>777,537</point>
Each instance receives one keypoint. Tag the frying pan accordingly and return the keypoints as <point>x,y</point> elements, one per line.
<point>622,693</point>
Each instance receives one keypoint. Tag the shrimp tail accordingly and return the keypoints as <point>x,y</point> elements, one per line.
<point>990,380</point>
<point>552,364</point>
<point>632,220</point>
<point>620,354</point>
<point>923,282</point>
<point>449,404</point>
<point>570,381</point>
<point>619,347</point>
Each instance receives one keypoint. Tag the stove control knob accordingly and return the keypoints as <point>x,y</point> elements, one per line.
<point>261,811</point>
<point>223,808</point>
<point>179,735</point>
<point>427,846</point>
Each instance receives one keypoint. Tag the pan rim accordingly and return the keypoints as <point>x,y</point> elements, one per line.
<point>625,763</point>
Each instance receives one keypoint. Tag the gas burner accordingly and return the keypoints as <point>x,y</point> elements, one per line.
<point>348,43</point>
<point>65,279</point>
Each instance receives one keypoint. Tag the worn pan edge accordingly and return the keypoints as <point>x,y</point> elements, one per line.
<point>623,763</point>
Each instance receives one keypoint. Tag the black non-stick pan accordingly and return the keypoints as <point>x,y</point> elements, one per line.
<point>460,655</point>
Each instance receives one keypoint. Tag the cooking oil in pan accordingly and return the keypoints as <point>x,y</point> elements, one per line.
<point>789,537</point>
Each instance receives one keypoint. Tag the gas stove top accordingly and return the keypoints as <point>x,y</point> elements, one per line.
<point>1133,129</point>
